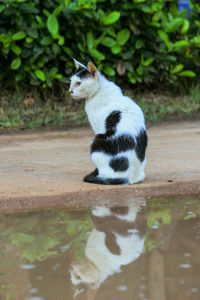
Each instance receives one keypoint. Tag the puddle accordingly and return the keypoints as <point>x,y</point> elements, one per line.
<point>143,250</point>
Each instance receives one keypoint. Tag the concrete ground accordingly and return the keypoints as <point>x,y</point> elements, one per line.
<point>45,169</point>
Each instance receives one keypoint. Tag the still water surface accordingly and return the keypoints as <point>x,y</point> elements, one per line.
<point>139,250</point>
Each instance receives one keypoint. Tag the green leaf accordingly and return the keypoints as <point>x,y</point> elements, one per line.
<point>68,51</point>
<point>32,32</point>
<point>17,50</point>
<point>52,25</point>
<point>20,1</point>
<point>81,47</point>
<point>109,71</point>
<point>148,61</point>
<point>67,2</point>
<point>29,40</point>
<point>28,8</point>
<point>108,42</point>
<point>131,77</point>
<point>40,21</point>
<point>19,36</point>
<point>190,216</point>
<point>46,41</point>
<point>116,49</point>
<point>18,77</point>
<point>16,63</point>
<point>139,44</point>
<point>158,15</point>
<point>186,25</point>
<point>46,12</point>
<point>58,76</point>
<point>53,72</point>
<point>21,238</point>
<point>55,48</point>
<point>164,37</point>
<point>96,54</point>
<point>57,10</point>
<point>187,74</point>
<point>180,44</point>
<point>195,40</point>
<point>40,74</point>
<point>90,40</point>
<point>174,25</point>
<point>111,18</point>
<point>177,69</point>
<point>2,7</point>
<point>61,41</point>
<point>123,36</point>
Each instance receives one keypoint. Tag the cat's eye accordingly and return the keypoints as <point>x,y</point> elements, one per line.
<point>78,83</point>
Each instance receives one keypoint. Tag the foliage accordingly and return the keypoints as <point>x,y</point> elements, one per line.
<point>142,41</point>
<point>162,213</point>
<point>39,236</point>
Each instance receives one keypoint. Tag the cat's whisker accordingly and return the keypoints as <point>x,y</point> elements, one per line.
<point>78,292</point>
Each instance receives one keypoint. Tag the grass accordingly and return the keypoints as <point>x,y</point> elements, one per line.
<point>25,112</point>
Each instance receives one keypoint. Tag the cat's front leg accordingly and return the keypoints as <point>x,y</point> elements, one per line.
<point>92,174</point>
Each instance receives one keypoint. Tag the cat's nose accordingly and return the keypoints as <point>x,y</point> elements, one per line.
<point>70,91</point>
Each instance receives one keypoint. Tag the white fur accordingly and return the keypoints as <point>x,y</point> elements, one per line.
<point>107,263</point>
<point>102,98</point>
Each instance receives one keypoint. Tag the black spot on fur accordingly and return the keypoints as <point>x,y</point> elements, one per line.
<point>119,164</point>
<point>122,227</point>
<point>119,210</point>
<point>83,73</point>
<point>111,122</point>
<point>112,146</point>
<point>111,244</point>
<point>141,145</point>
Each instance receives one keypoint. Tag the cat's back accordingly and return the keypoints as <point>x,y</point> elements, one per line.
<point>111,99</point>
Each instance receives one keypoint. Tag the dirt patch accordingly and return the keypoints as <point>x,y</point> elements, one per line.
<point>45,169</point>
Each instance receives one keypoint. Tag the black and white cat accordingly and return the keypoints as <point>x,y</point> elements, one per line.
<point>117,239</point>
<point>118,148</point>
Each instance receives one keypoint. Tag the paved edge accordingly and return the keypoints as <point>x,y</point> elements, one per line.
<point>88,199</point>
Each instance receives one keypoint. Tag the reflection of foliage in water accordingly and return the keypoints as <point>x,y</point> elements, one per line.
<point>5,288</point>
<point>36,235</point>
<point>159,214</point>
<point>77,231</point>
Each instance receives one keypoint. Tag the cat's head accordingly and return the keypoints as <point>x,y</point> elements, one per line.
<point>84,274</point>
<point>85,83</point>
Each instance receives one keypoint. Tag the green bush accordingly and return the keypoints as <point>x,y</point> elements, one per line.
<point>140,41</point>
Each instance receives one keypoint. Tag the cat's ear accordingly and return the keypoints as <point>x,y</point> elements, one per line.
<point>91,294</point>
<point>91,68</point>
<point>78,65</point>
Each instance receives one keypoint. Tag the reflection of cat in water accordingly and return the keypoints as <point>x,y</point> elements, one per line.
<point>117,239</point>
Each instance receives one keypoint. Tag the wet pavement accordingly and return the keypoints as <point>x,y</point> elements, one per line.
<point>45,169</point>
<point>137,249</point>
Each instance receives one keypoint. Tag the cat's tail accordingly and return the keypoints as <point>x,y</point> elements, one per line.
<point>94,178</point>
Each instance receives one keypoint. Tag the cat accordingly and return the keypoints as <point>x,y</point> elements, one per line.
<point>117,239</point>
<point>118,148</point>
